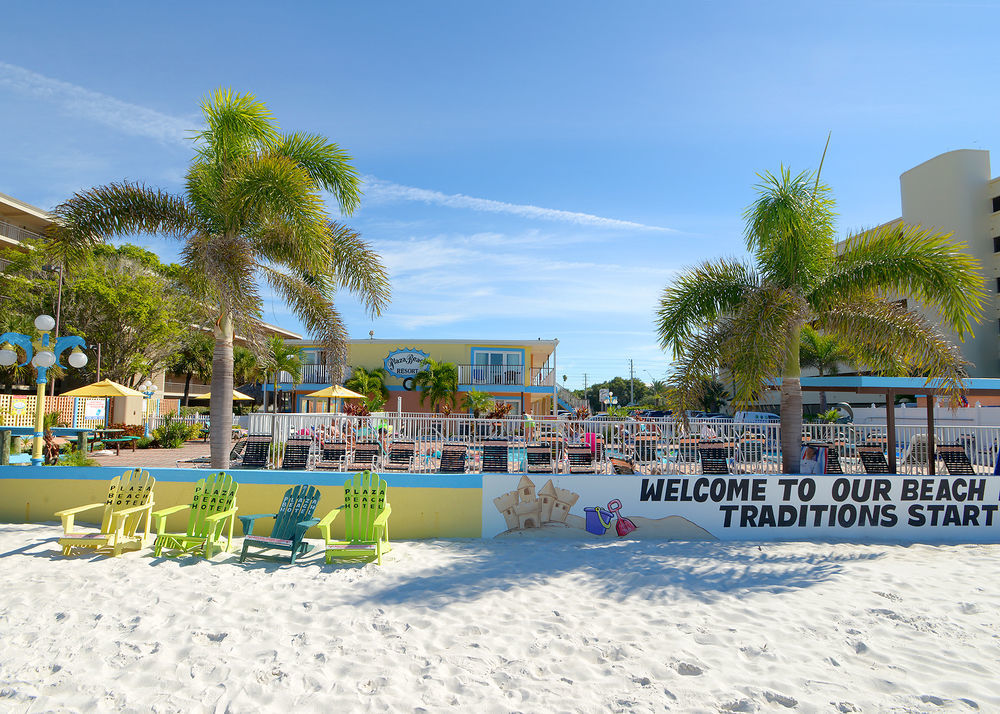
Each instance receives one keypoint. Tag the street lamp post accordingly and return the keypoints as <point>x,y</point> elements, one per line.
<point>56,269</point>
<point>148,391</point>
<point>43,353</point>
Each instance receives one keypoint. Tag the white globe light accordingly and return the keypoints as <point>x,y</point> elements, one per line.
<point>146,385</point>
<point>77,359</point>
<point>44,323</point>
<point>44,359</point>
<point>7,356</point>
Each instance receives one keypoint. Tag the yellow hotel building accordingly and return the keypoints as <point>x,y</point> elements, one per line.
<point>521,372</point>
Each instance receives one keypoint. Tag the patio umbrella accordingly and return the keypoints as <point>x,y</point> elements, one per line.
<point>106,389</point>
<point>335,392</point>
<point>237,396</point>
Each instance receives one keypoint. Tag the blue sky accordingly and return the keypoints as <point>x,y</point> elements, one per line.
<point>534,169</point>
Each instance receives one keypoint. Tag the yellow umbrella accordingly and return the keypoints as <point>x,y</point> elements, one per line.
<point>104,388</point>
<point>335,392</point>
<point>237,396</point>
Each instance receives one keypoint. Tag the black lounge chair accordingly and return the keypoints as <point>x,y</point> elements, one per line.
<point>453,459</point>
<point>363,456</point>
<point>257,452</point>
<point>955,459</point>
<point>332,455</point>
<point>400,456</point>
<point>234,456</point>
<point>539,459</point>
<point>832,456</point>
<point>873,459</point>
<point>644,449</point>
<point>296,454</point>
<point>581,460</point>
<point>714,457</point>
<point>494,457</point>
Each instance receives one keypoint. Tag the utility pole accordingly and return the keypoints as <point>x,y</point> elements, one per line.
<point>631,382</point>
<point>586,399</point>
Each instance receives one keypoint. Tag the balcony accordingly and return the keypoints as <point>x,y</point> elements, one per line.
<point>473,375</point>
<point>21,235</point>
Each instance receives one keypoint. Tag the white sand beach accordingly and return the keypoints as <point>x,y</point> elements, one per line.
<point>504,625</point>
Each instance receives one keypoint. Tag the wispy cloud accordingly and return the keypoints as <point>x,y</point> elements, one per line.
<point>101,108</point>
<point>386,191</point>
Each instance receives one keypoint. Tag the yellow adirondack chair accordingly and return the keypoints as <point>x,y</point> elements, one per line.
<point>366,520</point>
<point>129,497</point>
<point>214,504</point>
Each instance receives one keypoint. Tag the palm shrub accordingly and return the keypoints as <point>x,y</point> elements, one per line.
<point>478,402</point>
<point>748,318</point>
<point>438,382</point>
<point>822,352</point>
<point>282,357</point>
<point>370,383</point>
<point>252,211</point>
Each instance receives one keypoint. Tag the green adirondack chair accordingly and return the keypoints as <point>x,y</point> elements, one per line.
<point>213,506</point>
<point>130,496</point>
<point>366,520</point>
<point>293,519</point>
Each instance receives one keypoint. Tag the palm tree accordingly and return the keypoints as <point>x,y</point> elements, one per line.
<point>252,210</point>
<point>822,352</point>
<point>282,357</point>
<point>246,367</point>
<point>193,360</point>
<point>658,392</point>
<point>478,402</point>
<point>371,383</point>
<point>438,382</point>
<point>714,396</point>
<point>748,318</point>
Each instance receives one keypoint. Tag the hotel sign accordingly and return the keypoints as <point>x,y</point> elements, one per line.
<point>405,363</point>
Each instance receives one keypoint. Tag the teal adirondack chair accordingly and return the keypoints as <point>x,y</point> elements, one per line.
<point>293,519</point>
<point>213,506</point>
<point>366,520</point>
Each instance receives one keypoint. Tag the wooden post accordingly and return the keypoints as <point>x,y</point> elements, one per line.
<point>930,434</point>
<point>890,427</point>
<point>4,447</point>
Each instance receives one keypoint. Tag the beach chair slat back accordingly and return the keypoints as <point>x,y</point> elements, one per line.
<point>645,449</point>
<point>581,459</point>
<point>495,457</point>
<point>714,458</point>
<point>364,500</point>
<point>956,460</point>
<point>296,454</point>
<point>873,459</point>
<point>453,458</point>
<point>132,488</point>
<point>539,459</point>
<point>257,452</point>
<point>213,494</point>
<point>299,504</point>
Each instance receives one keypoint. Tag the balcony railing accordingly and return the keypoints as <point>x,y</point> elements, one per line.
<point>471,375</point>
<point>17,233</point>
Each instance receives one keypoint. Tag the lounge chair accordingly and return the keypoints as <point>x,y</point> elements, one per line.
<point>130,497</point>
<point>581,460</point>
<point>235,454</point>
<point>495,457</point>
<point>955,459</point>
<point>453,459</point>
<point>916,451</point>
<point>873,459</point>
<point>622,466</point>
<point>296,454</point>
<point>332,455</point>
<point>832,465</point>
<point>539,459</point>
<point>644,449</point>
<point>366,520</point>
<point>293,519</point>
<point>257,452</point>
<point>400,456</point>
<point>363,456</point>
<point>714,457</point>
<point>212,507</point>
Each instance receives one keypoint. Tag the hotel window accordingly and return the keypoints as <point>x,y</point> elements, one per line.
<point>996,204</point>
<point>998,285</point>
<point>996,244</point>
<point>498,367</point>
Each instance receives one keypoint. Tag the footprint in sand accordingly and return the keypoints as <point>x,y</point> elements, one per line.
<point>689,670</point>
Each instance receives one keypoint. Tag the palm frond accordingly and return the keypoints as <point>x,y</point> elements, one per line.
<point>700,296</point>
<point>263,186</point>
<point>118,209</point>
<point>314,307</point>
<point>328,165</point>
<point>883,336</point>
<point>236,125</point>
<point>358,268</point>
<point>908,261</point>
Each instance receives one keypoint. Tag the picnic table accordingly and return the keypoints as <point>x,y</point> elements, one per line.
<point>119,441</point>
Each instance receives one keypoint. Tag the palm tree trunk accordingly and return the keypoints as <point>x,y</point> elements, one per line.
<point>187,387</point>
<point>791,406</point>
<point>221,411</point>
<point>275,408</point>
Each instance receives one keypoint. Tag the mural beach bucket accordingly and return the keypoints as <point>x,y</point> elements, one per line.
<point>598,520</point>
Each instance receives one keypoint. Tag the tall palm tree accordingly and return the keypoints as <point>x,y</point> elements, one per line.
<point>822,352</point>
<point>438,382</point>
<point>371,383</point>
<point>748,318</point>
<point>282,357</point>
<point>193,360</point>
<point>252,210</point>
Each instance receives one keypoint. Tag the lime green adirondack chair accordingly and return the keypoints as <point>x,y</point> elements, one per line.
<point>129,497</point>
<point>213,505</point>
<point>366,520</point>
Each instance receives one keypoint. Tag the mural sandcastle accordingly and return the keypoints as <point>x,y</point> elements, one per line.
<point>524,508</point>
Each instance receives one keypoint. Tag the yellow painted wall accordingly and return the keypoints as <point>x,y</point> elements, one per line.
<point>416,512</point>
